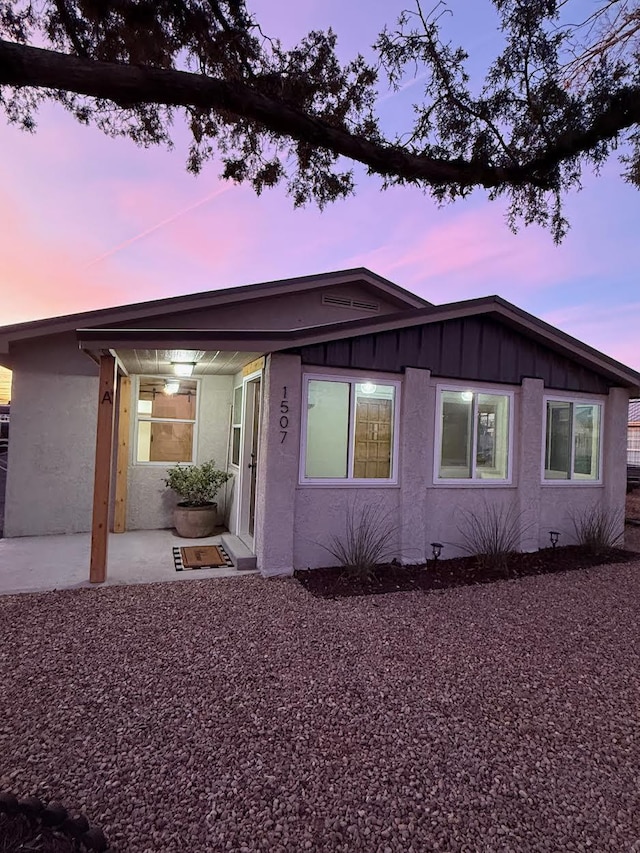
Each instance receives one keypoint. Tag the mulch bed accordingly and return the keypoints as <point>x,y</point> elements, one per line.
<point>434,576</point>
<point>17,835</point>
<point>31,825</point>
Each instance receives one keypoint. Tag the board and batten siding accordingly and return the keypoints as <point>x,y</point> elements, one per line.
<point>471,348</point>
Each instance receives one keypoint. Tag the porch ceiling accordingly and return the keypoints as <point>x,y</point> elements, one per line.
<point>158,362</point>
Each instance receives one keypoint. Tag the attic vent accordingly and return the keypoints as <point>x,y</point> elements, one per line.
<point>346,302</point>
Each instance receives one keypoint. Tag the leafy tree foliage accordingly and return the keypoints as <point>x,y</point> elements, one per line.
<point>558,99</point>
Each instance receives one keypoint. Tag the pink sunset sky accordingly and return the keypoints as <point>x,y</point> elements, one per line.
<point>90,222</point>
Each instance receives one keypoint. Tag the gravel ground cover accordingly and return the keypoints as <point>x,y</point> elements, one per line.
<point>246,715</point>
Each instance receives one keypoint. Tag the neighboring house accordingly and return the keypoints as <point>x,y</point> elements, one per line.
<point>319,394</point>
<point>633,435</point>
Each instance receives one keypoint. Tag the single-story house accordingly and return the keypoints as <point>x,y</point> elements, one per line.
<point>319,394</point>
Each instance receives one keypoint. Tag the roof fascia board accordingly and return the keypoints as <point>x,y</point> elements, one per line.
<point>566,343</point>
<point>263,340</point>
<point>268,337</point>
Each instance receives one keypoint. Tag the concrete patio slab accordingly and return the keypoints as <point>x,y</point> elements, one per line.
<point>41,563</point>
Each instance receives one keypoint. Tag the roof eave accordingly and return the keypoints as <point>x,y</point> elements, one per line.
<point>269,340</point>
<point>178,304</point>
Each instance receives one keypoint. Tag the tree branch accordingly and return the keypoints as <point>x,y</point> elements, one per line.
<point>127,86</point>
<point>70,27</point>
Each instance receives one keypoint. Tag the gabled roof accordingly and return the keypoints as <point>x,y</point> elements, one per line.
<point>119,316</point>
<point>274,340</point>
<point>108,329</point>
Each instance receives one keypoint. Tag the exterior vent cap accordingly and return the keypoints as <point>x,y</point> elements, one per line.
<point>347,302</point>
<point>366,306</point>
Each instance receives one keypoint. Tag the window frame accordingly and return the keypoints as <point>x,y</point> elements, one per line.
<point>576,401</point>
<point>350,481</point>
<point>148,419</point>
<point>633,445</point>
<point>472,482</point>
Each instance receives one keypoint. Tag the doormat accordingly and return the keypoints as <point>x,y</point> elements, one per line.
<point>201,557</point>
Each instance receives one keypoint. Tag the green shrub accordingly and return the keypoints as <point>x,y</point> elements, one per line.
<point>492,534</point>
<point>597,529</point>
<point>368,541</point>
<point>196,485</point>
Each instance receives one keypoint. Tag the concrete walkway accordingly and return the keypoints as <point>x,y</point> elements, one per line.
<point>41,563</point>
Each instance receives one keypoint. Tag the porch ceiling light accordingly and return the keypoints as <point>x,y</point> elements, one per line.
<point>467,396</point>
<point>368,388</point>
<point>171,387</point>
<point>183,368</point>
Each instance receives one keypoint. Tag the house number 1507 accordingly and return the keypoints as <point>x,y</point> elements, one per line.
<point>284,415</point>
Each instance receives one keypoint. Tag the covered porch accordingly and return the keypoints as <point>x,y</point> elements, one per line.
<point>44,563</point>
<point>161,403</point>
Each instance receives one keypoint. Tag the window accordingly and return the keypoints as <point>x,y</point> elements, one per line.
<point>350,431</point>
<point>236,429</point>
<point>473,435</point>
<point>572,447</point>
<point>165,419</point>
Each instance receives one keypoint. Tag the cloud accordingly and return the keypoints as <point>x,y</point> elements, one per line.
<point>163,223</point>
<point>463,255</point>
<point>610,328</point>
<point>42,278</point>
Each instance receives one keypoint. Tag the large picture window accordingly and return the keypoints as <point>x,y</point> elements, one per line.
<point>350,431</point>
<point>572,445</point>
<point>165,419</point>
<point>473,435</point>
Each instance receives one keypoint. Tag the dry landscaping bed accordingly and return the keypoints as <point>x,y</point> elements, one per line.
<point>335,582</point>
<point>245,715</point>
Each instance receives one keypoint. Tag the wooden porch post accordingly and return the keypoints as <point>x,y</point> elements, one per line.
<point>122,457</point>
<point>102,474</point>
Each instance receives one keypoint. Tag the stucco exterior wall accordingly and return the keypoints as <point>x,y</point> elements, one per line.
<point>149,504</point>
<point>561,504</point>
<point>53,432</point>
<point>424,511</point>
<point>51,460</point>
<point>321,513</point>
<point>276,526</point>
<point>564,504</point>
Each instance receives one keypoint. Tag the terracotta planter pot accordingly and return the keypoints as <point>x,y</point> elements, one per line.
<point>194,522</point>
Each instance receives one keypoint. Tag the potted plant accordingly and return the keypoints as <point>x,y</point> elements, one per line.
<point>196,514</point>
